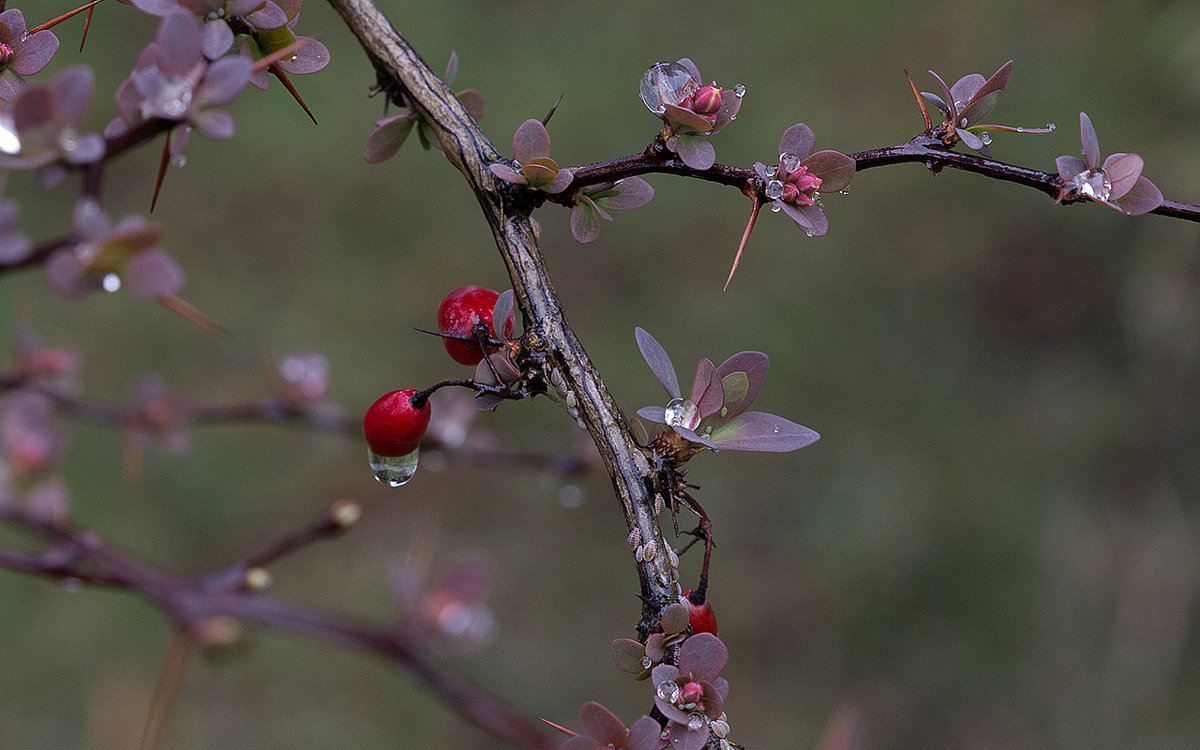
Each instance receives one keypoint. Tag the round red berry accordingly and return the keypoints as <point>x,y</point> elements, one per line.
<point>393,426</point>
<point>701,617</point>
<point>457,316</point>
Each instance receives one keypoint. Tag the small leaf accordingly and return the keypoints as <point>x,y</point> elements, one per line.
<point>736,385</point>
<point>835,169</point>
<point>979,109</point>
<point>707,393</point>
<point>695,437</point>
<point>692,70</point>
<point>451,68</point>
<point>660,364</point>
<point>585,221</point>
<point>703,656</point>
<point>473,102</point>
<point>387,139</point>
<point>1123,171</point>
<point>695,152</point>
<point>634,192</point>
<point>628,653</point>
<point>759,431</point>
<point>530,141</point>
<point>964,88</point>
<point>798,140</point>
<point>561,181</point>
<point>951,110</point>
<point>503,311</point>
<point>754,366</point>
<point>655,414</point>
<point>674,618</point>
<point>644,734</point>
<point>1069,167</point>
<point>1143,198</point>
<point>693,122</point>
<point>970,139</point>
<point>936,101</point>
<point>507,173</point>
<point>994,85</point>
<point>810,218</point>
<point>1091,146</point>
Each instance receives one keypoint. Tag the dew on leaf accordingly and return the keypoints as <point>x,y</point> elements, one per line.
<point>178,161</point>
<point>1093,183</point>
<point>986,138</point>
<point>789,162</point>
<point>393,471</point>
<point>739,91</point>
<point>668,690</point>
<point>696,721</point>
<point>681,412</point>
<point>776,208</point>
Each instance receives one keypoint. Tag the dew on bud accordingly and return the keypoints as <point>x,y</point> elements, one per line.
<point>666,83</point>
<point>774,189</point>
<point>789,162</point>
<point>393,471</point>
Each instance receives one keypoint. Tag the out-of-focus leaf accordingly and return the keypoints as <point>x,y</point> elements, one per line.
<point>695,151</point>
<point>660,364</point>
<point>602,725</point>
<point>152,275</point>
<point>759,431</point>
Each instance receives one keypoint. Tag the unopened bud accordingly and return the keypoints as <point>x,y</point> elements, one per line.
<point>6,54</point>
<point>790,193</point>
<point>692,692</point>
<point>707,100</point>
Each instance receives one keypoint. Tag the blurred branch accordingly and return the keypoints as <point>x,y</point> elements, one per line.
<point>204,607</point>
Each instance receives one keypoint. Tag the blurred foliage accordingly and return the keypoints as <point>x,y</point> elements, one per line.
<point>995,544</point>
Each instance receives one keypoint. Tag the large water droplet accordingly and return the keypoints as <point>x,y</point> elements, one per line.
<point>774,189</point>
<point>665,83</point>
<point>681,412</point>
<point>696,721</point>
<point>393,471</point>
<point>789,162</point>
<point>1093,184</point>
<point>668,691</point>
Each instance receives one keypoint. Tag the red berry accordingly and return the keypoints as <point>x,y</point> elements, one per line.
<point>701,617</point>
<point>393,426</point>
<point>457,316</point>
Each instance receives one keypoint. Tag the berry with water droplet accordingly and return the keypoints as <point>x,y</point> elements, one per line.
<point>393,426</point>
<point>457,316</point>
<point>701,616</point>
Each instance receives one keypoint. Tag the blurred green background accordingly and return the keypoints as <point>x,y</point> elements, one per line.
<point>996,544</point>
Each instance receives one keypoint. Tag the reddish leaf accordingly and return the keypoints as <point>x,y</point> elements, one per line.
<point>834,168</point>
<point>1123,171</point>
<point>798,140</point>
<point>602,725</point>
<point>759,431</point>
<point>660,364</point>
<point>703,656</point>
<point>754,365</point>
<point>1143,198</point>
<point>707,393</point>
<point>530,141</point>
<point>695,152</point>
<point>1091,146</point>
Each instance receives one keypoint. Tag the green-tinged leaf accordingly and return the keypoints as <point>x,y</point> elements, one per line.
<point>585,221</point>
<point>631,192</point>
<point>674,618</point>
<point>759,431</point>
<point>660,364</point>
<point>695,152</point>
<point>736,386</point>
<point>979,109</point>
<point>835,169</point>
<point>754,365</point>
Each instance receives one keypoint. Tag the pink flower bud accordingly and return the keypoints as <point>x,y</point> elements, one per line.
<point>687,102</point>
<point>707,100</point>
<point>790,193</point>
<point>808,183</point>
<point>6,54</point>
<point>692,692</point>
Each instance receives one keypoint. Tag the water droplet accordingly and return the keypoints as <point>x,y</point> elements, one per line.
<point>775,429</point>
<point>789,162</point>
<point>681,412</point>
<point>74,586</point>
<point>68,142</point>
<point>10,142</point>
<point>668,691</point>
<point>393,471</point>
<point>986,138</point>
<point>178,161</point>
<point>844,191</point>
<point>739,91</point>
<point>776,208</point>
<point>1092,183</point>
<point>817,200</point>
<point>809,231</point>
<point>774,189</point>
<point>665,83</point>
<point>1051,126</point>
<point>111,282</point>
<point>696,721</point>
<point>771,171</point>
<point>516,165</point>
<point>647,662</point>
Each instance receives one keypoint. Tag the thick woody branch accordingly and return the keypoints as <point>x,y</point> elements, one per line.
<point>636,482</point>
